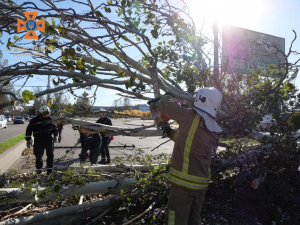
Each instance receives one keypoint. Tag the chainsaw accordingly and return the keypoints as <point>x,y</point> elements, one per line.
<point>160,119</point>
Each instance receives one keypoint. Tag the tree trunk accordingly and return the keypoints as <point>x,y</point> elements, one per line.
<point>13,195</point>
<point>108,168</point>
<point>68,215</point>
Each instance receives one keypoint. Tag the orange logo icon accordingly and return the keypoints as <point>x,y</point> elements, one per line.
<point>31,25</point>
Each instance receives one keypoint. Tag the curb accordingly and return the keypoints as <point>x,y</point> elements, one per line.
<point>10,156</point>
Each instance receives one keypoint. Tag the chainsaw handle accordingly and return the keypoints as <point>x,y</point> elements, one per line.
<point>153,100</point>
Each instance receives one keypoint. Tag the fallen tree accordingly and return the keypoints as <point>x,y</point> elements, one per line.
<point>169,47</point>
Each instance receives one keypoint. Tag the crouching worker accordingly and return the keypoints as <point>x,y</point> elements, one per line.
<point>189,173</point>
<point>90,142</point>
<point>42,128</point>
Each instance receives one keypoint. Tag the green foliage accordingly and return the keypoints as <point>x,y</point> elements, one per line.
<point>27,96</point>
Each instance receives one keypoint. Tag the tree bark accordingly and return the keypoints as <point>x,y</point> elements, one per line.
<point>68,215</point>
<point>13,195</point>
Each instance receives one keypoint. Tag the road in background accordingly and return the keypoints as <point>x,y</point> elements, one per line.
<point>12,130</point>
<point>70,138</point>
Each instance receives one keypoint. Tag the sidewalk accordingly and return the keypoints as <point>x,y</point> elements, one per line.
<point>11,156</point>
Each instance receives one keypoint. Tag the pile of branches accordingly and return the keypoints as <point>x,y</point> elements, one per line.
<point>232,197</point>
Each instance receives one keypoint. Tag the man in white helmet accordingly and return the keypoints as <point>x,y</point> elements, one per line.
<point>190,165</point>
<point>42,128</point>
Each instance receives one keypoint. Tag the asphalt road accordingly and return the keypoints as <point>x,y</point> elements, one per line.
<point>117,146</point>
<point>12,130</point>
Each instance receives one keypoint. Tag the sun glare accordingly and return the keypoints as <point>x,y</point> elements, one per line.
<point>241,13</point>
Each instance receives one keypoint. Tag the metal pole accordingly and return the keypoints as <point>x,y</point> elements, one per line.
<point>48,86</point>
<point>216,54</point>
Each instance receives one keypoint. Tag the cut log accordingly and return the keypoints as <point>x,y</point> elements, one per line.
<point>68,215</point>
<point>13,195</point>
<point>258,181</point>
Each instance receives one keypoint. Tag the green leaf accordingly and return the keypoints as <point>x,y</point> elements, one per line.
<point>53,21</point>
<point>138,39</point>
<point>123,3</point>
<point>98,13</point>
<point>27,96</point>
<point>10,44</point>
<point>108,10</point>
<point>129,12</point>
<point>154,33</point>
<point>156,27</point>
<point>76,80</point>
<point>56,83</point>
<point>39,194</point>
<point>75,197</point>
<point>159,43</point>
<point>122,192</point>
<point>56,188</point>
<point>109,1</point>
<point>16,37</point>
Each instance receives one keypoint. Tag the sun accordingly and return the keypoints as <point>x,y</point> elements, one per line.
<point>241,13</point>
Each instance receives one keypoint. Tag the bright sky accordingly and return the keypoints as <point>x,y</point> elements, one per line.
<point>273,17</point>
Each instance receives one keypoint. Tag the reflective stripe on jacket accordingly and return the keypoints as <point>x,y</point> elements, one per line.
<point>190,165</point>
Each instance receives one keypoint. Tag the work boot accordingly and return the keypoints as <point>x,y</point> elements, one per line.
<point>107,161</point>
<point>59,140</point>
<point>39,171</point>
<point>49,172</point>
<point>102,161</point>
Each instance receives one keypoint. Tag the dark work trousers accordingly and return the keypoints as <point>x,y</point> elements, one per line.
<point>38,149</point>
<point>94,153</point>
<point>59,134</point>
<point>104,148</point>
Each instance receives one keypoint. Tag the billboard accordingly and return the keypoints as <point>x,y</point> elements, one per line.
<point>245,50</point>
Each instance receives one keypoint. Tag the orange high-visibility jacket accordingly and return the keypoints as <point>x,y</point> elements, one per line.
<point>190,165</point>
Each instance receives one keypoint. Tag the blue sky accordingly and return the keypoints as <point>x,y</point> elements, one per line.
<point>274,17</point>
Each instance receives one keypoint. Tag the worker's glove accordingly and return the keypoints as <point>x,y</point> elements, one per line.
<point>55,139</point>
<point>153,100</point>
<point>165,127</point>
<point>29,143</point>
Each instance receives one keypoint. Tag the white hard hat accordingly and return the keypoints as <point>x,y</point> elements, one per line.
<point>208,99</point>
<point>45,110</point>
<point>207,104</point>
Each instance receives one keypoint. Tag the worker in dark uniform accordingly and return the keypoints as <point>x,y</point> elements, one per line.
<point>90,142</point>
<point>42,128</point>
<point>105,157</point>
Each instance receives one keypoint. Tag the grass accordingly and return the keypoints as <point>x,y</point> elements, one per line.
<point>4,146</point>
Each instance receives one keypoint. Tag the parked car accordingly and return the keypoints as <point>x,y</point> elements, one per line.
<point>31,117</point>
<point>26,116</point>
<point>266,121</point>
<point>9,119</point>
<point>3,122</point>
<point>19,119</point>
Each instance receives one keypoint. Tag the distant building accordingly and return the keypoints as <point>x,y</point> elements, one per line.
<point>142,107</point>
<point>12,110</point>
